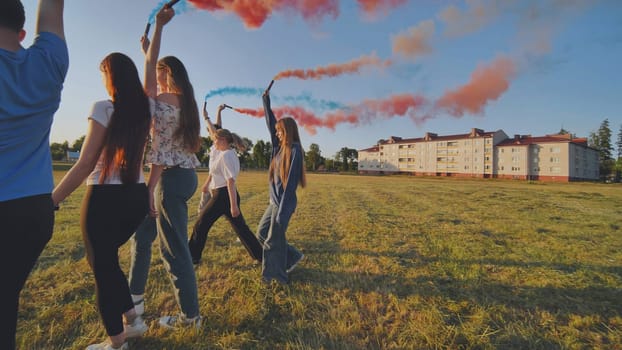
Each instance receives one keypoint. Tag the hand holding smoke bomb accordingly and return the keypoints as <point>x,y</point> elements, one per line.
<point>171,3</point>
<point>205,114</point>
<point>168,6</point>
<point>269,87</point>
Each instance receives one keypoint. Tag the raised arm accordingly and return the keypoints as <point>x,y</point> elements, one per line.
<point>270,119</point>
<point>219,115</point>
<point>210,127</point>
<point>50,17</point>
<point>153,51</point>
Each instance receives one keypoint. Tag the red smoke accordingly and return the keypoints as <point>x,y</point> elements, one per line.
<point>365,112</point>
<point>334,69</point>
<point>372,7</point>
<point>254,13</point>
<point>487,83</point>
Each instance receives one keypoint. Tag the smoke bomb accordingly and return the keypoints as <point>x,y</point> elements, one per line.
<point>171,3</point>
<point>270,86</point>
<point>147,29</point>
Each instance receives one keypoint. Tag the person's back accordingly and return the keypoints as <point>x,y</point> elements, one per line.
<point>31,81</point>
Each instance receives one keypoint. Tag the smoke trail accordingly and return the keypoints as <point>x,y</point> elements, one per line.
<point>233,90</point>
<point>255,13</point>
<point>363,113</point>
<point>414,42</point>
<point>304,99</point>
<point>333,70</point>
<point>487,83</point>
<point>180,7</point>
<point>373,7</point>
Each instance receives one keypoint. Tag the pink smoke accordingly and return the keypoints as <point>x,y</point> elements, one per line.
<point>487,83</point>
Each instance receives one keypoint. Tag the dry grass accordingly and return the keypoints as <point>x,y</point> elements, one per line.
<point>391,263</point>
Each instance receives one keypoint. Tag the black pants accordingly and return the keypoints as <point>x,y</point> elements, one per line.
<point>110,215</point>
<point>27,227</point>
<point>216,207</point>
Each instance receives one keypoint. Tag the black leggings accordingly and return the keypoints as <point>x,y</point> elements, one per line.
<point>216,207</point>
<point>110,215</point>
<point>27,225</point>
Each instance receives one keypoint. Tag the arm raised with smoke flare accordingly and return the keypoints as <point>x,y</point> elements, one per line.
<point>152,51</point>
<point>270,122</point>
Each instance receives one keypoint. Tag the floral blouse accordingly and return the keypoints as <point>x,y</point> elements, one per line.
<point>166,150</point>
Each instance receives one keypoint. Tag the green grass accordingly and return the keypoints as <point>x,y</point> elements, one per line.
<point>391,263</point>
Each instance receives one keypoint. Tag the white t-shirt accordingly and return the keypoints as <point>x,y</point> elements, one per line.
<point>223,165</point>
<point>101,113</point>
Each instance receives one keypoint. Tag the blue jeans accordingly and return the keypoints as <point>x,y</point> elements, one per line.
<point>278,255</point>
<point>176,187</point>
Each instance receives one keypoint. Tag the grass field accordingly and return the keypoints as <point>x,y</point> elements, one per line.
<point>391,263</point>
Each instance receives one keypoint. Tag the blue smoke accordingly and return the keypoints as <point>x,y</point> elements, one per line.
<point>303,99</point>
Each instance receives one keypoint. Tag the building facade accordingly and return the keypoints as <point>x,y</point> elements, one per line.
<point>484,154</point>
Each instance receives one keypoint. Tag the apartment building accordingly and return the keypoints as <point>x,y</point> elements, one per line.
<point>484,154</point>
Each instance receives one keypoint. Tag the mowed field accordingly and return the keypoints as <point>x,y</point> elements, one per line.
<point>391,262</point>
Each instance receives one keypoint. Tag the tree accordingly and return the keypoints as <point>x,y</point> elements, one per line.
<point>203,154</point>
<point>619,143</point>
<point>262,151</point>
<point>59,150</point>
<point>601,141</point>
<point>77,144</point>
<point>246,160</point>
<point>347,157</point>
<point>313,157</point>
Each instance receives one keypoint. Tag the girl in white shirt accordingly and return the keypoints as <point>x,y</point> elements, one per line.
<point>224,167</point>
<point>116,199</point>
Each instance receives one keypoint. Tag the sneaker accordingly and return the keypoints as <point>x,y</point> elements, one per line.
<point>139,306</point>
<point>107,346</point>
<point>137,328</point>
<point>180,321</point>
<point>291,268</point>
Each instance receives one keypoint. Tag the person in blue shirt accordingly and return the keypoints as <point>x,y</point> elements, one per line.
<point>31,81</point>
<point>285,175</point>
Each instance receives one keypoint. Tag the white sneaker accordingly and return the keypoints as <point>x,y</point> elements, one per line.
<point>180,321</point>
<point>136,329</point>
<point>107,346</point>
<point>139,306</point>
<point>291,268</point>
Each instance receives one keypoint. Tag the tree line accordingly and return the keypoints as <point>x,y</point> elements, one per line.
<point>256,156</point>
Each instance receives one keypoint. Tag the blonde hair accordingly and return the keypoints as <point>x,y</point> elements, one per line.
<point>289,129</point>
<point>232,139</point>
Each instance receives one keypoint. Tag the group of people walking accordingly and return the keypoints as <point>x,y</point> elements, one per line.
<point>120,204</point>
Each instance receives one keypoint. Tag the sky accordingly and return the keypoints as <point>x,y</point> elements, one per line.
<point>352,72</point>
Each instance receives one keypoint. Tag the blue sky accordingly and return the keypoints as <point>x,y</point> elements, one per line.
<point>526,67</point>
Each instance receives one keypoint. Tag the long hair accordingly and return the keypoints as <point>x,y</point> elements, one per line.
<point>289,129</point>
<point>234,140</point>
<point>127,131</point>
<point>179,83</point>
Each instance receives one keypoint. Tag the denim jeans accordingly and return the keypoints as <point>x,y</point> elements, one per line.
<point>278,255</point>
<point>176,187</point>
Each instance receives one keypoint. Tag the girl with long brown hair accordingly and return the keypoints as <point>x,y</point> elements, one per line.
<point>116,199</point>
<point>175,138</point>
<point>286,174</point>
